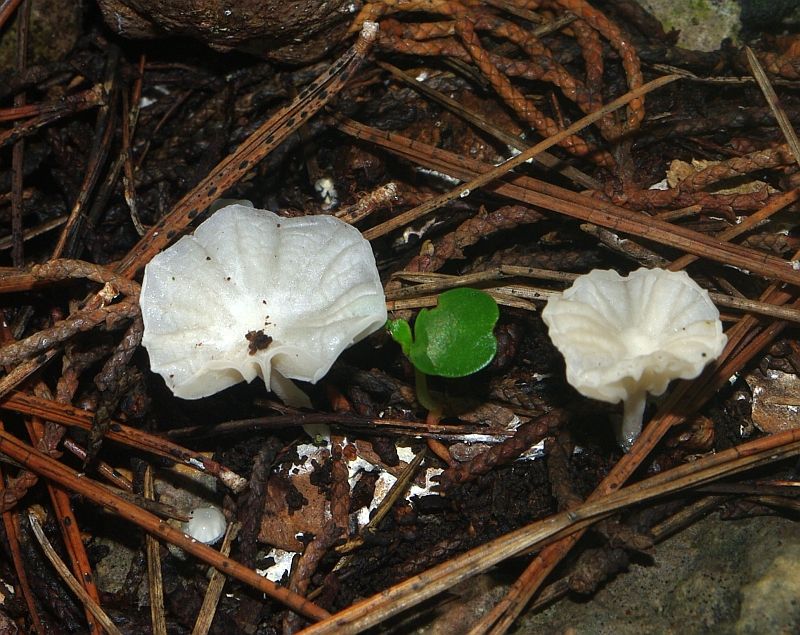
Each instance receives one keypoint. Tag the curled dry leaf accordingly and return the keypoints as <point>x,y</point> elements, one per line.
<point>775,400</point>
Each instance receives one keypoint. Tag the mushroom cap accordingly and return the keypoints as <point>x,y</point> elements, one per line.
<point>255,294</point>
<point>622,336</point>
<point>206,525</point>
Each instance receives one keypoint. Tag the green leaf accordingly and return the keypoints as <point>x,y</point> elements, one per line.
<point>455,339</point>
<point>401,333</point>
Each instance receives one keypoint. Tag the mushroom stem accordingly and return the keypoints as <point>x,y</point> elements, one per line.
<point>287,391</point>
<point>632,415</point>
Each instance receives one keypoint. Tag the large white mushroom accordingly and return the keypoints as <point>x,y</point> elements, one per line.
<point>625,337</point>
<point>254,294</point>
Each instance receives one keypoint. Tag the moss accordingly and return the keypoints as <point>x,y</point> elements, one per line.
<point>703,24</point>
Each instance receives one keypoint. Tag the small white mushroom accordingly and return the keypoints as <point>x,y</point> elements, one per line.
<point>206,525</point>
<point>625,337</point>
<point>254,294</point>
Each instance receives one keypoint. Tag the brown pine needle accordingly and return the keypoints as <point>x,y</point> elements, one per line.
<point>7,9</point>
<point>215,585</point>
<point>505,167</point>
<point>437,282</point>
<point>774,103</point>
<point>557,199</point>
<point>680,402</point>
<point>476,119</point>
<point>71,535</point>
<point>119,433</point>
<point>155,583</point>
<point>398,488</point>
<point>11,525</point>
<point>92,606</point>
<point>252,150</point>
<point>24,370</point>
<point>44,466</point>
<point>405,595</point>
<point>752,221</point>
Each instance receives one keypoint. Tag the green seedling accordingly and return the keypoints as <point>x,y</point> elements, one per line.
<point>455,339</point>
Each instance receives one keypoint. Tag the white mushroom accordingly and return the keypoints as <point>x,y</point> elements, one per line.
<point>254,294</point>
<point>206,525</point>
<point>625,337</point>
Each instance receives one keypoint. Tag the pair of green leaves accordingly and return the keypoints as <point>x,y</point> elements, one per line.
<point>454,339</point>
